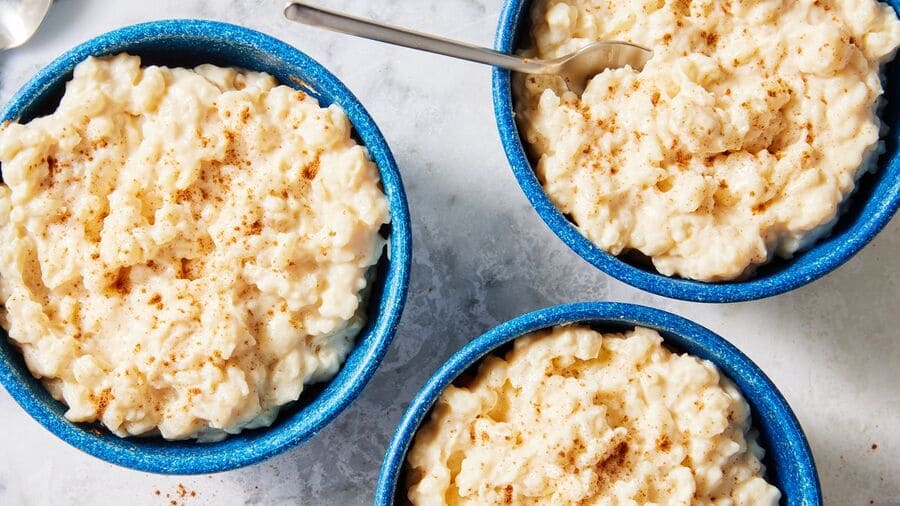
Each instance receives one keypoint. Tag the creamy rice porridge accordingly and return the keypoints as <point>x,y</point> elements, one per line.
<point>181,251</point>
<point>572,416</point>
<point>738,140</point>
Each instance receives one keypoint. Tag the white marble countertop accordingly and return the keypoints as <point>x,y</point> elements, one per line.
<point>481,257</point>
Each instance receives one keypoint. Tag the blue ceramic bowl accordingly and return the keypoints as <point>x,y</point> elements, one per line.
<point>189,43</point>
<point>789,462</point>
<point>869,209</point>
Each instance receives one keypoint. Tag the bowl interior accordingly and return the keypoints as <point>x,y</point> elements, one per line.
<point>863,214</point>
<point>188,43</point>
<point>788,460</point>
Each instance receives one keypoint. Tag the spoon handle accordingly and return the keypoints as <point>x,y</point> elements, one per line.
<point>302,12</point>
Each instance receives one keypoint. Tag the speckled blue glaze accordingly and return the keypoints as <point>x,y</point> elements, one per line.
<point>870,208</point>
<point>189,43</point>
<point>789,462</point>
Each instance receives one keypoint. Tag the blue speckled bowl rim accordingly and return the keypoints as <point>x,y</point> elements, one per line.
<point>787,444</point>
<point>821,259</point>
<point>155,455</point>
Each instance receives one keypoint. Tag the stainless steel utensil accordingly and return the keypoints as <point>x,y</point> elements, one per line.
<point>576,68</point>
<point>19,19</point>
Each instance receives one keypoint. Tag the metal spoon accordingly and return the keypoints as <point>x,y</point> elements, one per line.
<point>19,19</point>
<point>576,68</point>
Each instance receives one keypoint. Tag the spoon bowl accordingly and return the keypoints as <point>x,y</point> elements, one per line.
<point>578,68</point>
<point>19,19</point>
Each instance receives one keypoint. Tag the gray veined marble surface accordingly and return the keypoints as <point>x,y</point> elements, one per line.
<point>482,256</point>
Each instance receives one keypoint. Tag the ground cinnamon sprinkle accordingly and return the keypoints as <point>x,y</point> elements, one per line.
<point>310,171</point>
<point>51,165</point>
<point>760,208</point>
<point>507,494</point>
<point>101,402</point>
<point>178,496</point>
<point>122,282</point>
<point>612,465</point>
<point>664,443</point>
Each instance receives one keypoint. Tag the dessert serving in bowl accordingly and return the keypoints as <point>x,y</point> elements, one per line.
<point>748,157</point>
<point>598,403</point>
<point>206,246</point>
